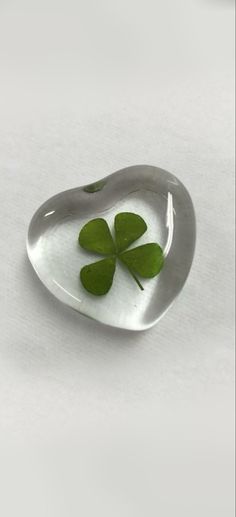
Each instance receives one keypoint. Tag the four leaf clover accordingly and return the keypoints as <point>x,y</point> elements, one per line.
<point>146,260</point>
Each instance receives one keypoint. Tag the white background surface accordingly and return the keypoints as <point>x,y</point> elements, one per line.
<point>95,421</point>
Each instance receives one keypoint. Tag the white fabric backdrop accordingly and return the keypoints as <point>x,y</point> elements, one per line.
<point>95,421</point>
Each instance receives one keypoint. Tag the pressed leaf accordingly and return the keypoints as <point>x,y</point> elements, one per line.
<point>96,236</point>
<point>147,260</point>
<point>128,228</point>
<point>97,278</point>
<point>95,187</point>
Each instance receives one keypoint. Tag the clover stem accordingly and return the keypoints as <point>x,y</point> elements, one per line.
<point>132,273</point>
<point>136,279</point>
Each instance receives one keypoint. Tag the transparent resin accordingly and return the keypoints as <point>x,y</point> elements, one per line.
<point>163,202</point>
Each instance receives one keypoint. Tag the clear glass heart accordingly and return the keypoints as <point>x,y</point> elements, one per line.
<point>165,205</point>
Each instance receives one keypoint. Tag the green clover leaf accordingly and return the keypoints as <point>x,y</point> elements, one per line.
<point>146,260</point>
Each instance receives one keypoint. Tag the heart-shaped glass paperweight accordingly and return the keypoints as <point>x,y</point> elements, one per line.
<point>166,207</point>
